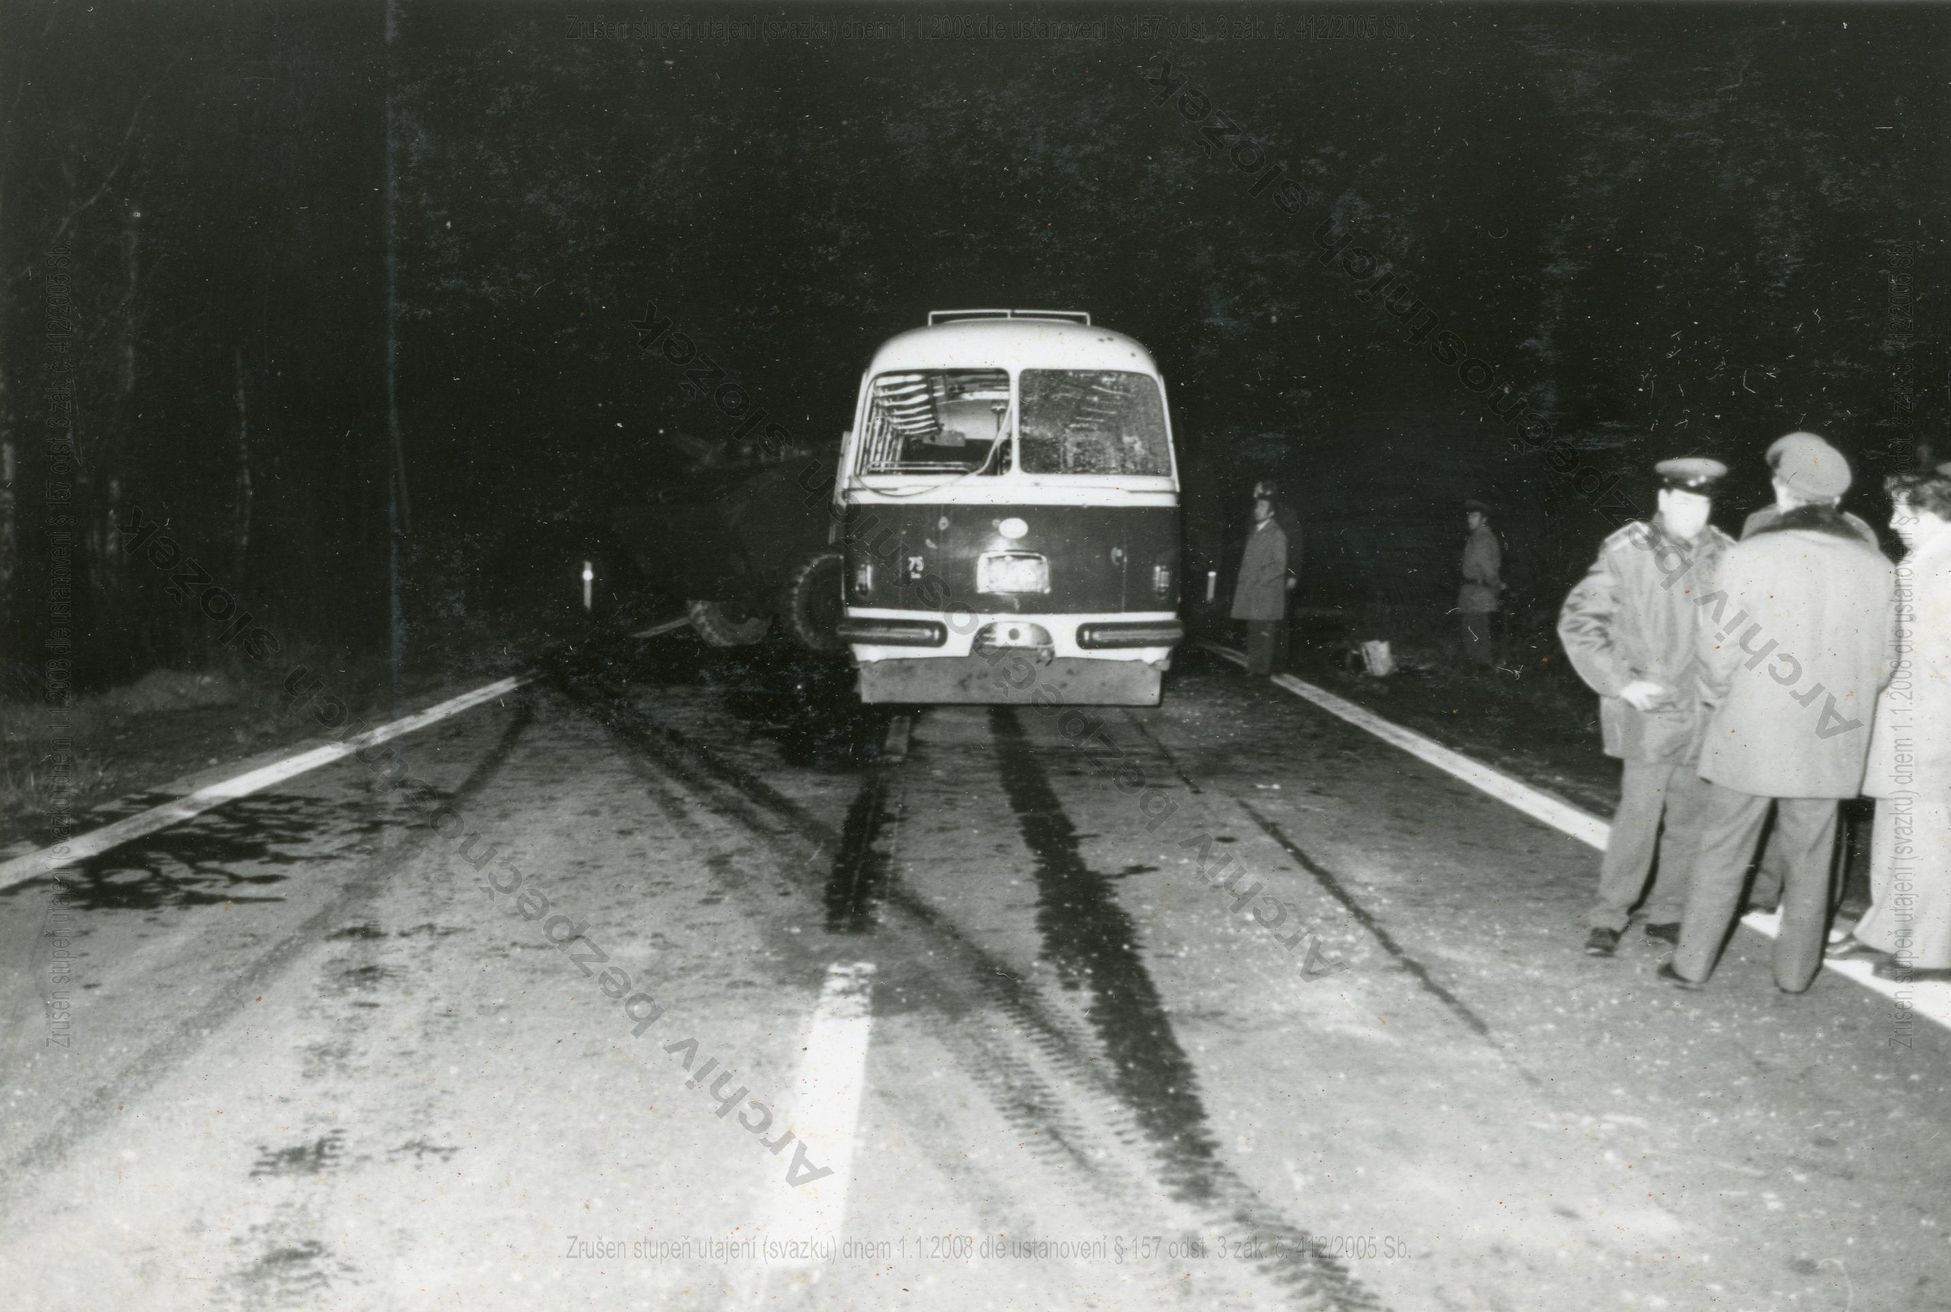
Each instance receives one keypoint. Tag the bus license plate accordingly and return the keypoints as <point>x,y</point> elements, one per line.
<point>1012,573</point>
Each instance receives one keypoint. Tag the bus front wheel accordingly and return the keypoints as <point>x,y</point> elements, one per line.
<point>812,607</point>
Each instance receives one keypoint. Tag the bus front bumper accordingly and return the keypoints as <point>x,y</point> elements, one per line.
<point>1009,676</point>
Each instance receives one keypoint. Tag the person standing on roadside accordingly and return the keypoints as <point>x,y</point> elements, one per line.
<point>1629,628</point>
<point>1290,527</point>
<point>1479,599</point>
<point>1767,890</point>
<point>1798,642</point>
<point>1909,920</point>
<point>1260,593</point>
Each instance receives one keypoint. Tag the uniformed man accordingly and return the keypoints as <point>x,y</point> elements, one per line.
<point>1789,453</point>
<point>1630,627</point>
<point>1481,595</point>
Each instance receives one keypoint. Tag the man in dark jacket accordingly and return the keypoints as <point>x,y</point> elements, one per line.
<point>1794,649</point>
<point>1290,528</point>
<point>1260,593</point>
<point>1629,628</point>
<point>1480,597</point>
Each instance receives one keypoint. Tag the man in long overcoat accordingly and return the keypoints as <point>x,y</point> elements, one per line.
<point>1629,629</point>
<point>1260,593</point>
<point>1909,919</point>
<point>1790,449</point>
<point>1289,523</point>
<point>1481,594</point>
<point>1795,644</point>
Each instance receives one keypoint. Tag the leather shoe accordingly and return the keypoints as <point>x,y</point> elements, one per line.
<point>1679,981</point>
<point>1894,969</point>
<point>1667,933</point>
<point>1601,942</point>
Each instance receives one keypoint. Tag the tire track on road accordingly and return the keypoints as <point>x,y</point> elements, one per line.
<point>1043,1073</point>
<point>1337,889</point>
<point>1094,942</point>
<point>187,1037</point>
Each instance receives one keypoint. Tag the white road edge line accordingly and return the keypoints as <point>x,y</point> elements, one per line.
<point>1930,998</point>
<point>32,865</point>
<point>825,1112</point>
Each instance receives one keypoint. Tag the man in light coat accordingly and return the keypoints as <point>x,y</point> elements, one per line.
<point>1909,920</point>
<point>1767,891</point>
<point>1480,597</point>
<point>1289,523</point>
<point>1794,647</point>
<point>1629,628</point>
<point>1260,593</point>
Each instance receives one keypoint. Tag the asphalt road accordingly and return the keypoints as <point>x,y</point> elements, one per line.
<point>710,990</point>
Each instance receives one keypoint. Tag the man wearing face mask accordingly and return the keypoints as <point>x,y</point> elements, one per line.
<point>1629,628</point>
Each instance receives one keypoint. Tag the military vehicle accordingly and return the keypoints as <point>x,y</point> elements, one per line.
<point>747,542</point>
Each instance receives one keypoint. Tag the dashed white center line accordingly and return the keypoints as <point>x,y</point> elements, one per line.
<point>825,1114</point>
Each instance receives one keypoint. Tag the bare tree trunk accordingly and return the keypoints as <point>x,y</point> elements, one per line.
<point>242,536</point>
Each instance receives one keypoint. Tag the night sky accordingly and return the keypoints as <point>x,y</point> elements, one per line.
<point>1661,230</point>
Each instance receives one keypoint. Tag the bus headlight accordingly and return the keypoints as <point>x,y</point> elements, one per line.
<point>1012,571</point>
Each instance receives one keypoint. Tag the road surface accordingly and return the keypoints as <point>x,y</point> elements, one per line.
<point>676,980</point>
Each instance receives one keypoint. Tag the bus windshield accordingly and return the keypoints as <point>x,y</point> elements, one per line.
<point>1078,421</point>
<point>937,421</point>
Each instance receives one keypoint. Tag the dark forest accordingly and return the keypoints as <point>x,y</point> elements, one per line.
<point>338,298</point>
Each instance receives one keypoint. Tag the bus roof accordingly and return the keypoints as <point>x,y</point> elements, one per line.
<point>1021,343</point>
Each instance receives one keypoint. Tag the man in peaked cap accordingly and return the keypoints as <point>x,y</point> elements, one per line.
<point>1480,596</point>
<point>1799,455</point>
<point>1790,456</point>
<point>1795,647</point>
<point>1629,628</point>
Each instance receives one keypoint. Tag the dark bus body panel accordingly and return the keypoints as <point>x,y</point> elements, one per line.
<point>1101,558</point>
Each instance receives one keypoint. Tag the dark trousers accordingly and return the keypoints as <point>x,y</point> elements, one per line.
<point>1479,636</point>
<point>1650,793</point>
<point>1262,637</point>
<point>1805,828</point>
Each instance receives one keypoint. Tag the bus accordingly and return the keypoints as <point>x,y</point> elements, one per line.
<point>1007,503</point>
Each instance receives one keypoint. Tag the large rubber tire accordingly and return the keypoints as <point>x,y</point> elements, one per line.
<point>721,625</point>
<point>812,607</point>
